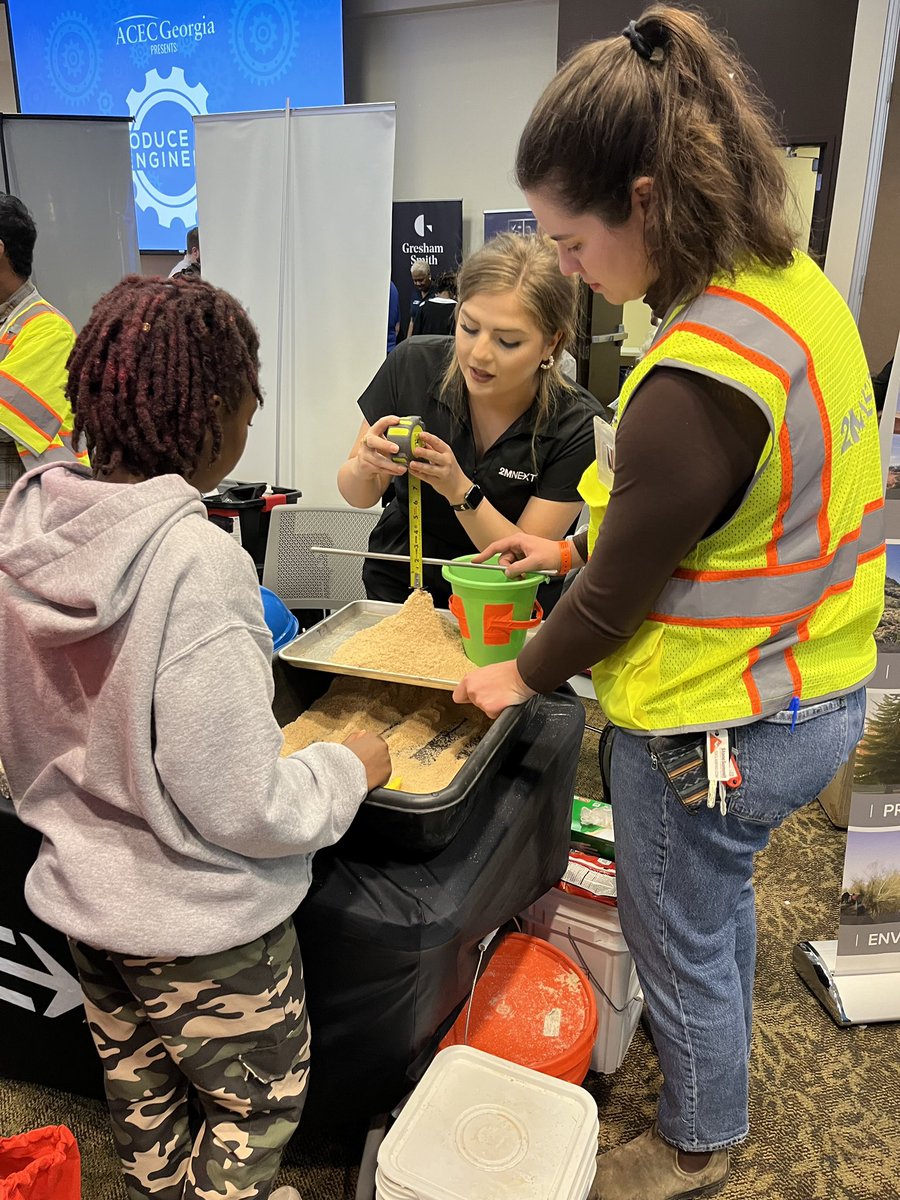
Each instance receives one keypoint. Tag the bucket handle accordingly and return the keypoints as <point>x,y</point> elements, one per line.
<point>499,623</point>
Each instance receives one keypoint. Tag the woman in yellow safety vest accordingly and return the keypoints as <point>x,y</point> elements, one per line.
<point>730,595</point>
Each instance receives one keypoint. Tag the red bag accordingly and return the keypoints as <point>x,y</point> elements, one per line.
<point>43,1164</point>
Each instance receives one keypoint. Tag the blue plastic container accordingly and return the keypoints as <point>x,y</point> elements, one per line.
<point>279,618</point>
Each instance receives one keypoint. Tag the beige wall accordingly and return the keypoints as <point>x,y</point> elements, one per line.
<point>464,80</point>
<point>159,264</point>
<point>879,315</point>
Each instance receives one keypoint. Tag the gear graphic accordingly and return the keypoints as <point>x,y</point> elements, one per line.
<point>73,57</point>
<point>105,104</point>
<point>140,55</point>
<point>149,190</point>
<point>264,38</point>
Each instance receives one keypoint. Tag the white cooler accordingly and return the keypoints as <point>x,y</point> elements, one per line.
<point>590,933</point>
<point>478,1127</point>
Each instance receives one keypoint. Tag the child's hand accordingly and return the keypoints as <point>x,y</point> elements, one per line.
<point>373,753</point>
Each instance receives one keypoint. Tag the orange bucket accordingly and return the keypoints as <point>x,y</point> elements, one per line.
<point>532,1006</point>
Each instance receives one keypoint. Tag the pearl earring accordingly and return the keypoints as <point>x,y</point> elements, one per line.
<point>548,363</point>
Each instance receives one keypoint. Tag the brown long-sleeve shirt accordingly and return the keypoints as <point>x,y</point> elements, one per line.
<point>687,448</point>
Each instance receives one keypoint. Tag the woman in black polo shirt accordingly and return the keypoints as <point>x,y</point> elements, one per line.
<point>508,436</point>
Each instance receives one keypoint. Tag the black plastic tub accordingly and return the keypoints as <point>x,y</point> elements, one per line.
<point>407,823</point>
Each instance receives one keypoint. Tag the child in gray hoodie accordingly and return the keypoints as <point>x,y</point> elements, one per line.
<point>176,844</point>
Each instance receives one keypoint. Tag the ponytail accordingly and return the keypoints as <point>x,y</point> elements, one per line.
<point>671,100</point>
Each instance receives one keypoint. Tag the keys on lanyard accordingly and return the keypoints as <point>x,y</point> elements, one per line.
<point>721,767</point>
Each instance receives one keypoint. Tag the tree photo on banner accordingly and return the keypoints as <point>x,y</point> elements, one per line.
<point>428,231</point>
<point>869,935</point>
<point>166,66</point>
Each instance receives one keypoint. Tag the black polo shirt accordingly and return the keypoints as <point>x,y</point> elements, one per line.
<point>509,473</point>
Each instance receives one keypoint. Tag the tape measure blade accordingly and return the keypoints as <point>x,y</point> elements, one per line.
<point>416,579</point>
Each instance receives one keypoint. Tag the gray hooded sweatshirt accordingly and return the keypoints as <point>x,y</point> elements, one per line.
<point>136,726</point>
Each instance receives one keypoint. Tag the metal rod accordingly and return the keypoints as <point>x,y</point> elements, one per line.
<point>432,562</point>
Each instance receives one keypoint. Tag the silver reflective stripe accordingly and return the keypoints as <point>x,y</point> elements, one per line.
<point>754,332</point>
<point>770,673</point>
<point>21,401</point>
<point>766,596</point>
<point>52,454</point>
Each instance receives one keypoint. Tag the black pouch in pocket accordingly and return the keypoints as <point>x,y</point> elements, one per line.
<point>682,759</point>
<point>604,757</point>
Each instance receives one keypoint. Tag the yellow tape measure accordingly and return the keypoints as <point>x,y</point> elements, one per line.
<point>406,434</point>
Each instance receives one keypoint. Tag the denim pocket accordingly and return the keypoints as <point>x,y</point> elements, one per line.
<point>783,769</point>
<point>807,712</point>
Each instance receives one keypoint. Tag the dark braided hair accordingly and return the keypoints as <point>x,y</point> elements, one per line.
<point>144,370</point>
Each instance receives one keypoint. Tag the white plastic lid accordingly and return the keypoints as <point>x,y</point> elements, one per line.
<point>479,1127</point>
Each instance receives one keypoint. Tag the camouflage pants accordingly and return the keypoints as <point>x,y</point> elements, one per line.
<point>230,1026</point>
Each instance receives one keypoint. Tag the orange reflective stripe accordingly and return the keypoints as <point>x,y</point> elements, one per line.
<point>772,618</point>
<point>794,670</point>
<point>823,523</point>
<point>728,343</point>
<point>784,441</point>
<point>870,555</point>
<point>749,684</point>
<point>809,564</point>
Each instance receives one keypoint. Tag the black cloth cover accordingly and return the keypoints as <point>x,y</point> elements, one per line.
<point>390,947</point>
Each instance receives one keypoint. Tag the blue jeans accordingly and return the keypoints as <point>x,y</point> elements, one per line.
<point>686,903</point>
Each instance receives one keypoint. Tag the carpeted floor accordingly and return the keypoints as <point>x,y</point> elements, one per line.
<point>824,1101</point>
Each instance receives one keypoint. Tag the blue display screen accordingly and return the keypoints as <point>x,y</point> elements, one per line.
<point>165,62</point>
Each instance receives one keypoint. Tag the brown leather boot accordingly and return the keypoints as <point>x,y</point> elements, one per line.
<point>647,1169</point>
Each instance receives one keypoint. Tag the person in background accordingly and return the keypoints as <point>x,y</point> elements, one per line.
<point>137,734</point>
<point>735,580</point>
<point>420,273</point>
<point>507,436</point>
<point>880,385</point>
<point>393,329</point>
<point>35,340</point>
<point>438,313</point>
<point>190,264</point>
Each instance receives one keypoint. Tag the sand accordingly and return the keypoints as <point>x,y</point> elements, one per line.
<point>429,736</point>
<point>414,641</point>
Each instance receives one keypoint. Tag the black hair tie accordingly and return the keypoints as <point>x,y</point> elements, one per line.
<point>638,42</point>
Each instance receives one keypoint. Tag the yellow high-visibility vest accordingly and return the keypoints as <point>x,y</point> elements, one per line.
<point>781,603</point>
<point>35,342</point>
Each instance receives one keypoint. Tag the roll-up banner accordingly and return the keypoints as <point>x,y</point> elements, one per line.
<point>869,935</point>
<point>428,231</point>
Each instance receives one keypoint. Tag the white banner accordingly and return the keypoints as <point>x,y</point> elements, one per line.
<point>295,220</point>
<point>869,935</point>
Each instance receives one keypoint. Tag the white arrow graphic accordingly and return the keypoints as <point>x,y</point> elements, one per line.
<point>68,993</point>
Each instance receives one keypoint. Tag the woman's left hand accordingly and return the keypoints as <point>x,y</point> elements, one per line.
<point>435,463</point>
<point>493,688</point>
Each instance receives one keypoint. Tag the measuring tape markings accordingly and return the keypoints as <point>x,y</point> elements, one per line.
<point>406,434</point>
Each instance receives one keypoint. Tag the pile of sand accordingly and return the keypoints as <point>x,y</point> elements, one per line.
<point>414,641</point>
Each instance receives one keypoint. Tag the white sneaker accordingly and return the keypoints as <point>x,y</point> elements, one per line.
<point>285,1193</point>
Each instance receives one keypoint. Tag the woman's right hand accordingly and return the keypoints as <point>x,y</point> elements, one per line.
<point>524,552</point>
<point>372,751</point>
<point>373,456</point>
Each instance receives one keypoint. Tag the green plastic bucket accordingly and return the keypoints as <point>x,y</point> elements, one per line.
<point>493,611</point>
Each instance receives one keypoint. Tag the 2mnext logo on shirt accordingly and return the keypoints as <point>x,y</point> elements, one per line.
<point>521,476</point>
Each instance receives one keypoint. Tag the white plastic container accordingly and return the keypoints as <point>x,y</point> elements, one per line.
<point>590,933</point>
<point>480,1128</point>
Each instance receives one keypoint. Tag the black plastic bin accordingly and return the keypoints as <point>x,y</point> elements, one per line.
<point>251,507</point>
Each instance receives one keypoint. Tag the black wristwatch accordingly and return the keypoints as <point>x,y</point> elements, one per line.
<point>470,500</point>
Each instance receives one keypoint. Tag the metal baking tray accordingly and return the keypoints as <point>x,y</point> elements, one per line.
<point>315,648</point>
